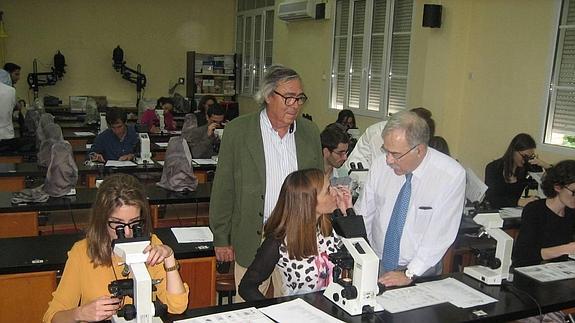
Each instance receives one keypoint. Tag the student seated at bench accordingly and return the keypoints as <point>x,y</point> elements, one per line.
<point>547,225</point>
<point>82,294</point>
<point>118,142</point>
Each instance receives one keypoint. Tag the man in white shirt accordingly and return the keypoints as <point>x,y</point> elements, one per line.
<point>334,145</point>
<point>7,104</point>
<point>368,147</point>
<point>433,211</point>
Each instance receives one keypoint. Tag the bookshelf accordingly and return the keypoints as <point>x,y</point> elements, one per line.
<point>212,74</point>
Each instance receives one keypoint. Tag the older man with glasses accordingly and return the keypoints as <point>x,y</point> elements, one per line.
<point>257,153</point>
<point>412,202</point>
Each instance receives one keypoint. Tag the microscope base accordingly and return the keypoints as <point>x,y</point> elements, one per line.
<point>140,161</point>
<point>484,274</point>
<point>351,306</point>
<point>116,319</point>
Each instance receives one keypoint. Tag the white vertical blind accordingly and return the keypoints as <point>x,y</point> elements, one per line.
<point>371,55</point>
<point>254,41</point>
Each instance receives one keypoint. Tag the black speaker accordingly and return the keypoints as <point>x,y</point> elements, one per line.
<point>432,15</point>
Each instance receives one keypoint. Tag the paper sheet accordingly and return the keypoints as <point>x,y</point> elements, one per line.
<point>193,234</point>
<point>407,298</point>
<point>162,144</point>
<point>458,293</point>
<point>204,161</point>
<point>474,187</point>
<point>551,271</point>
<point>510,212</point>
<point>83,133</point>
<point>120,163</point>
<point>246,315</point>
<point>88,146</point>
<point>297,311</point>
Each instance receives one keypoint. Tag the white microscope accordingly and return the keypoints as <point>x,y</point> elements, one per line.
<point>493,268</point>
<point>103,122</point>
<point>160,114</point>
<point>354,286</point>
<point>143,310</point>
<point>145,153</point>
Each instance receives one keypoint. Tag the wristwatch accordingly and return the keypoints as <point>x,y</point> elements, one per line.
<point>409,274</point>
<point>174,267</point>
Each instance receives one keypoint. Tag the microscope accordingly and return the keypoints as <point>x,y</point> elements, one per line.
<point>103,122</point>
<point>160,114</point>
<point>145,153</point>
<point>140,286</point>
<point>494,267</point>
<point>358,175</point>
<point>354,286</point>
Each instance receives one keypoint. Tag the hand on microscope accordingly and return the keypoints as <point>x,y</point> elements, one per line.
<point>343,197</point>
<point>160,253</point>
<point>394,278</point>
<point>212,127</point>
<point>102,308</point>
<point>163,253</point>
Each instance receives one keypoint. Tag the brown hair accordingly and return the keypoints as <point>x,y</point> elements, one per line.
<point>115,191</point>
<point>294,216</point>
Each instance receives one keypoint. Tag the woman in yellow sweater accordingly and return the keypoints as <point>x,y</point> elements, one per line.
<point>91,265</point>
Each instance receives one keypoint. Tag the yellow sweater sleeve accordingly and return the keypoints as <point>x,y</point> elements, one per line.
<point>177,303</point>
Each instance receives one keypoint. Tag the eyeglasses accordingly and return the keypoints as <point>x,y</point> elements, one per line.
<point>528,157</point>
<point>114,225</point>
<point>291,100</point>
<point>340,153</point>
<point>570,190</point>
<point>396,156</point>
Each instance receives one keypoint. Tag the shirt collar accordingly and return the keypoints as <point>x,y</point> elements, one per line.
<point>265,121</point>
<point>418,172</point>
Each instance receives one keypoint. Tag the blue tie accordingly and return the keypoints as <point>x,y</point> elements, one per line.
<point>395,227</point>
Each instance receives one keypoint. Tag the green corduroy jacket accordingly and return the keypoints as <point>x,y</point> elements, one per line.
<point>237,198</point>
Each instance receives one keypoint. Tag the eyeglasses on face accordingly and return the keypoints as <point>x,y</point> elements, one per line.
<point>291,100</point>
<point>114,225</point>
<point>528,156</point>
<point>340,153</point>
<point>570,190</point>
<point>396,156</point>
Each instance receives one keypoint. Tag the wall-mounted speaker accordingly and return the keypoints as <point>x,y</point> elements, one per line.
<point>432,15</point>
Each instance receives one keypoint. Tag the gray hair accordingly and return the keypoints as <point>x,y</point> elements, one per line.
<point>275,75</point>
<point>415,127</point>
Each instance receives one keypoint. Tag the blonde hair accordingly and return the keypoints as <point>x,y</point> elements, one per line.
<point>294,216</point>
<point>115,191</point>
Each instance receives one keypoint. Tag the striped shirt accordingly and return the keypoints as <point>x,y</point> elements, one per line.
<point>281,160</point>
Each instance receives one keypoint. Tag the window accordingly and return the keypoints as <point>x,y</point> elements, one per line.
<point>371,56</point>
<point>560,124</point>
<point>254,42</point>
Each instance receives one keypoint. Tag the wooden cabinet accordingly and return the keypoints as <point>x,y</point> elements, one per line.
<point>25,297</point>
<point>200,275</point>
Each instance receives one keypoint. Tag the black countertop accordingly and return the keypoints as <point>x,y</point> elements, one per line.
<point>50,252</point>
<point>512,304</point>
<point>86,196</point>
